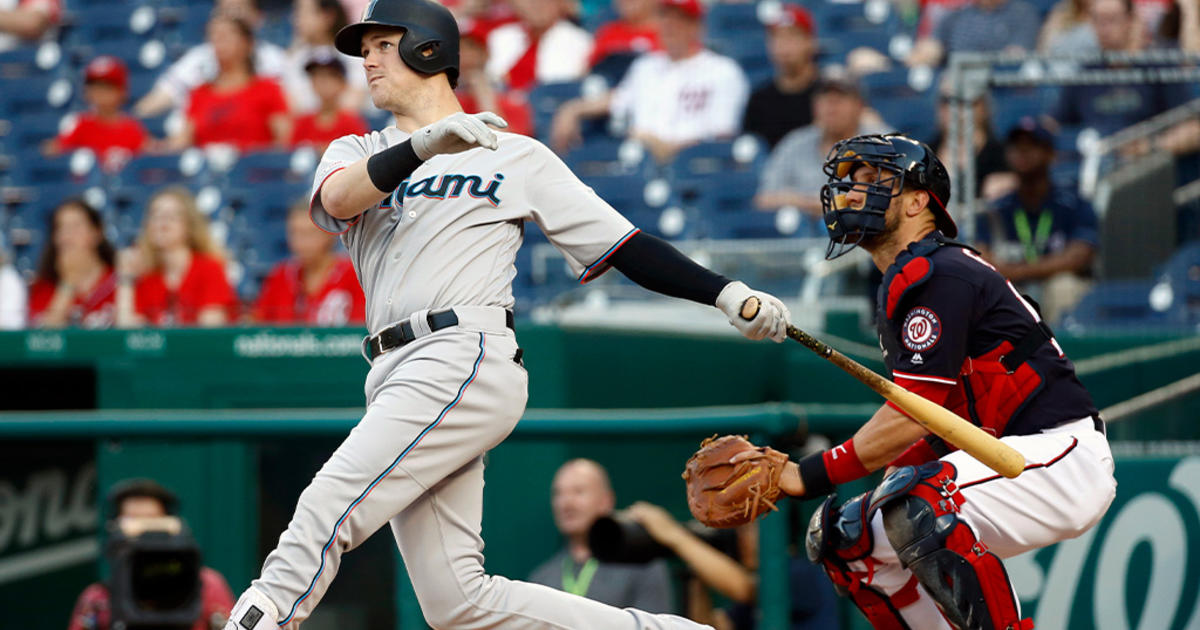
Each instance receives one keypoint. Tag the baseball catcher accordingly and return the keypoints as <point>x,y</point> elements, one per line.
<point>923,550</point>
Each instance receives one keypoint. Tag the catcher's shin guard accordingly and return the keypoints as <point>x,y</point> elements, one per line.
<point>837,536</point>
<point>920,515</point>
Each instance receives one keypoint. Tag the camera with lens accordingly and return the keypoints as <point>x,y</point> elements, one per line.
<point>617,538</point>
<point>155,580</point>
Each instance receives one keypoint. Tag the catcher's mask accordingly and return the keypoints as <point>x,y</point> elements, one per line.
<point>898,160</point>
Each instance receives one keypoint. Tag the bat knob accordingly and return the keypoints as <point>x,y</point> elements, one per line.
<point>750,308</point>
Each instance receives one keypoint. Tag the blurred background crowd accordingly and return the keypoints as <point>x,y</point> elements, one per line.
<point>156,156</point>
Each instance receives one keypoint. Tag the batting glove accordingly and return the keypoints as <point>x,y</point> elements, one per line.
<point>770,321</point>
<point>457,132</point>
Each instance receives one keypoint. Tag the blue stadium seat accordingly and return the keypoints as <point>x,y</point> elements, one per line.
<point>265,167</point>
<point>614,66</point>
<point>842,26</point>
<point>545,99</point>
<point>1116,303</point>
<point>696,168</point>
<point>94,28</point>
<point>1182,274</point>
<point>732,18</point>
<point>21,97</point>
<point>601,156</point>
<point>743,224</point>
<point>160,170</point>
<point>905,109</point>
<point>32,130</point>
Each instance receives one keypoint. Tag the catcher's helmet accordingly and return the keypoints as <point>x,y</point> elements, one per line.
<point>893,156</point>
<point>430,43</point>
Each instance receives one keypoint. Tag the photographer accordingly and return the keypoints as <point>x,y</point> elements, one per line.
<point>143,504</point>
<point>581,493</point>
<point>813,603</point>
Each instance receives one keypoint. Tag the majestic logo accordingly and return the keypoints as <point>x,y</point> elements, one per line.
<point>449,186</point>
<point>922,329</point>
<point>251,618</point>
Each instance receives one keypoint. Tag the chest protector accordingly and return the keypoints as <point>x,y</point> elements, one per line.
<point>994,386</point>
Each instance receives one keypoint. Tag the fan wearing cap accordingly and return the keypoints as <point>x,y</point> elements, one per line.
<point>331,120</point>
<point>104,127</point>
<point>792,176</point>
<point>784,102</point>
<point>635,31</point>
<point>542,47</point>
<point>478,92</point>
<point>670,99</point>
<point>1042,237</point>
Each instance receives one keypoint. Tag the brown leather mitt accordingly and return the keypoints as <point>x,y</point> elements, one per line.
<point>721,494</point>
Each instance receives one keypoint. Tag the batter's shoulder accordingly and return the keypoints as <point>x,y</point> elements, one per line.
<point>964,263</point>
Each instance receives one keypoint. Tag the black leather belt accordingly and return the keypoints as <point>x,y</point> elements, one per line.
<point>398,335</point>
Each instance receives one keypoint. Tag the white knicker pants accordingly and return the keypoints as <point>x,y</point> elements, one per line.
<point>416,460</point>
<point>1067,486</point>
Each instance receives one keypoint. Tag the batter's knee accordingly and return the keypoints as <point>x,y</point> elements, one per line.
<point>459,608</point>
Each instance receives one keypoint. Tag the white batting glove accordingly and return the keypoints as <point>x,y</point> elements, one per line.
<point>456,133</point>
<point>770,321</point>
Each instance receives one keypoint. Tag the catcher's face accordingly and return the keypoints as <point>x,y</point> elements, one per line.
<point>579,496</point>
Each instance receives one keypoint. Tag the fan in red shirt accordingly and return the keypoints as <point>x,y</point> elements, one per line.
<point>477,93</point>
<point>315,287</point>
<point>75,285</point>
<point>635,31</point>
<point>330,121</point>
<point>104,128</point>
<point>175,274</point>
<point>238,107</point>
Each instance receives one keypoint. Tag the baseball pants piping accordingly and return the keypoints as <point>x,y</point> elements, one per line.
<point>415,459</point>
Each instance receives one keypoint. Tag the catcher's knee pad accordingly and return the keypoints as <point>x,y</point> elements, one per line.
<point>920,507</point>
<point>838,536</point>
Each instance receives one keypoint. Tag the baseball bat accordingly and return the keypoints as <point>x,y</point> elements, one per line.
<point>994,454</point>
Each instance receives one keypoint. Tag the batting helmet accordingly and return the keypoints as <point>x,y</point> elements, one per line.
<point>894,156</point>
<point>430,42</point>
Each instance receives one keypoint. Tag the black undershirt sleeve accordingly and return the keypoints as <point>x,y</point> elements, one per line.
<point>656,265</point>
<point>391,166</point>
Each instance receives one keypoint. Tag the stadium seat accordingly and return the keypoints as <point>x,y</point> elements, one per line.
<point>695,168</point>
<point>905,108</point>
<point>1124,303</point>
<point>732,18</point>
<point>266,167</point>
<point>605,155</point>
<point>614,66</point>
<point>187,169</point>
<point>38,94</point>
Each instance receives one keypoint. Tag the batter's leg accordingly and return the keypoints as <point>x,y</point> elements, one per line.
<point>438,537</point>
<point>452,399</point>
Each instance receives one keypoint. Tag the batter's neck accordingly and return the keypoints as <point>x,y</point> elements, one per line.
<point>435,105</point>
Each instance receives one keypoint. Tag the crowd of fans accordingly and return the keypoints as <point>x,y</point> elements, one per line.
<point>668,90</point>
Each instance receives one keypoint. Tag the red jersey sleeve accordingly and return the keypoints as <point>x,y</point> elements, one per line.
<point>275,300</point>
<point>212,287</point>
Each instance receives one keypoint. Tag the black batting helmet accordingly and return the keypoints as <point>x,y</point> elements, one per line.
<point>430,43</point>
<point>895,156</point>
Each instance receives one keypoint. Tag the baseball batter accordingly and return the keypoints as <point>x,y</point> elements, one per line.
<point>431,211</point>
<point>923,550</point>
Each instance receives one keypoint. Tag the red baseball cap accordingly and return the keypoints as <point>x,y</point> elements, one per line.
<point>108,69</point>
<point>793,15</point>
<point>692,8</point>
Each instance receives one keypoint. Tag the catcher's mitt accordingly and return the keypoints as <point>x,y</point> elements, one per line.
<point>721,494</point>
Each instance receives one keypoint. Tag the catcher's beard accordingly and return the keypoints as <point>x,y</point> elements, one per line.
<point>891,225</point>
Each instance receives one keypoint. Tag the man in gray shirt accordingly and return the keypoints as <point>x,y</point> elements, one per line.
<point>580,494</point>
<point>792,177</point>
<point>983,26</point>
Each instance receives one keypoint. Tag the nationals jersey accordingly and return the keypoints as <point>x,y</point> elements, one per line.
<point>449,234</point>
<point>689,100</point>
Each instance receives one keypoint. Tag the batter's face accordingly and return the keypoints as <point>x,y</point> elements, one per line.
<point>579,496</point>
<point>388,78</point>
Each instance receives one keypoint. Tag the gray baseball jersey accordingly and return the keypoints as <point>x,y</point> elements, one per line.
<point>449,234</point>
<point>446,238</point>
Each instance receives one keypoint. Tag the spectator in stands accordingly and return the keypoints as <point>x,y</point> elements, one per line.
<point>13,295</point>
<point>785,102</point>
<point>580,494</point>
<point>26,20</point>
<point>1112,107</point>
<point>316,286</point>
<point>1042,237</point>
<point>138,499</point>
<point>671,99</point>
<point>199,65</point>
<point>314,23</point>
<point>793,174</point>
<point>75,285</point>
<point>543,47</point>
<point>238,107</point>
<point>635,31</point>
<point>105,129</point>
<point>992,177</point>
<point>1180,27</point>
<point>478,92</point>
<point>174,274</point>
<point>1009,26</point>
<point>1067,30</point>
<point>814,606</point>
<point>332,119</point>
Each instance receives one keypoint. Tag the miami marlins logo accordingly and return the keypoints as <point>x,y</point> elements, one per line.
<point>449,186</point>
